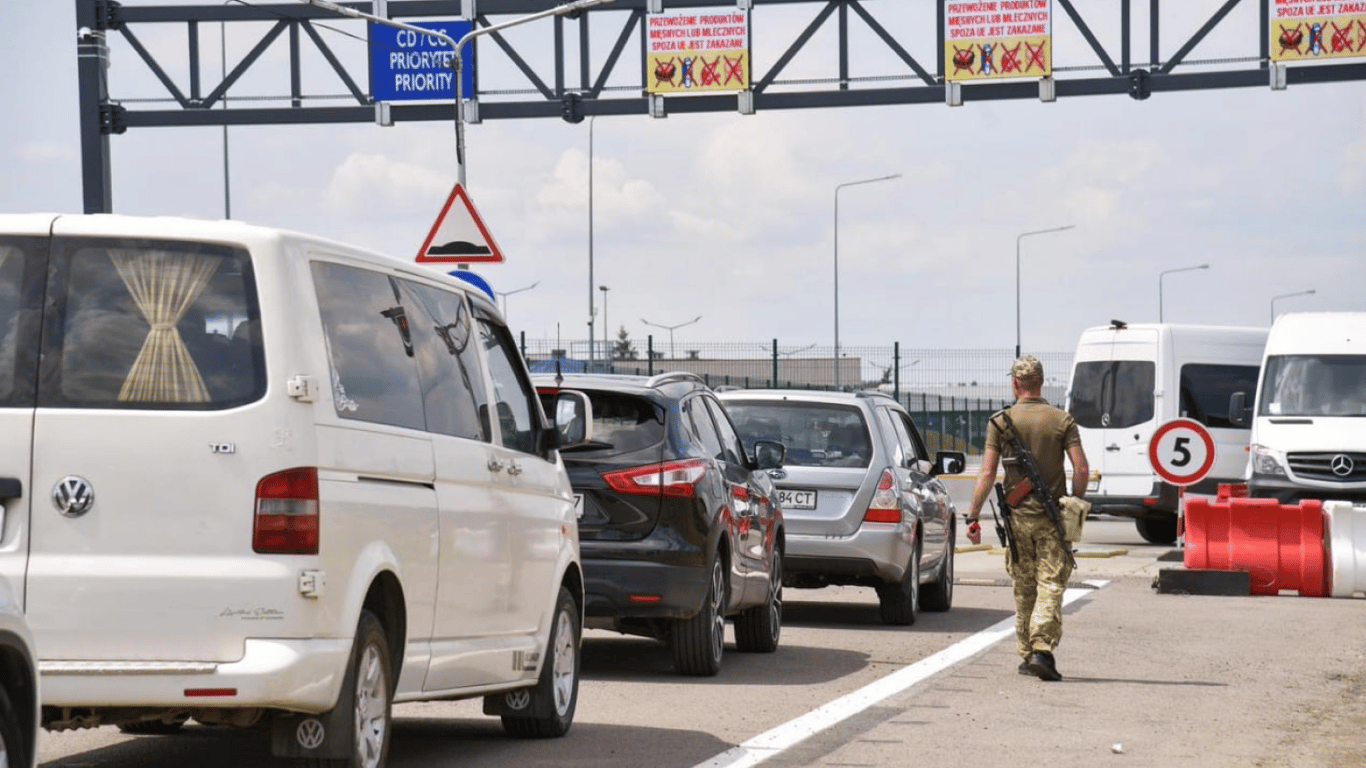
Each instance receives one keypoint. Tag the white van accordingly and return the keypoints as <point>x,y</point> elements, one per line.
<point>1309,422</point>
<point>254,477</point>
<point>1129,379</point>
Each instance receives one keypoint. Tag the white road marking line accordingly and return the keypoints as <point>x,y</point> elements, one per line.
<point>787,735</point>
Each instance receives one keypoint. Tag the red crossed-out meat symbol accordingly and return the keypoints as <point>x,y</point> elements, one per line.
<point>665,71</point>
<point>962,59</point>
<point>1291,39</point>
<point>1010,59</point>
<point>709,74</point>
<point>1035,56</point>
<point>734,70</point>
<point>1342,38</point>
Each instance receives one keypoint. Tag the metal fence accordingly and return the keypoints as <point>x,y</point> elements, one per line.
<point>949,392</point>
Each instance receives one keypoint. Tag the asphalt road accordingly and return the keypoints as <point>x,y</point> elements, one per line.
<point>1151,680</point>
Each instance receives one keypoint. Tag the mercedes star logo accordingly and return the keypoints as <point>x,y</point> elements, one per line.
<point>73,496</point>
<point>1342,465</point>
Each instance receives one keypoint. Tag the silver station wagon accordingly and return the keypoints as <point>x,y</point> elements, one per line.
<point>859,493</point>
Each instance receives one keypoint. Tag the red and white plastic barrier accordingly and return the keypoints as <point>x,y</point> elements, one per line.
<point>1347,544</point>
<point>1280,545</point>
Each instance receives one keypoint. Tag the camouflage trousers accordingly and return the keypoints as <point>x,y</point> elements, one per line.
<point>1040,576</point>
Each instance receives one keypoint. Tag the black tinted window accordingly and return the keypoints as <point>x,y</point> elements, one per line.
<point>23,269</point>
<point>815,435</point>
<point>453,392</point>
<point>1112,394</point>
<point>623,423</point>
<point>1205,391</point>
<point>151,324</point>
<point>514,403</point>
<point>374,377</point>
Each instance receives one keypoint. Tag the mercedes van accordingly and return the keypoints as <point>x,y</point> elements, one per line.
<point>1127,380</point>
<point>1309,419</point>
<point>252,477</point>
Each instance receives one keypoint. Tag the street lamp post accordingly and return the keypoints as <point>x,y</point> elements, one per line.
<point>1018,238</point>
<point>671,329</point>
<point>1286,296</point>
<point>1159,284</point>
<point>505,294</point>
<point>606,346</point>
<point>838,187</point>
<point>591,310</point>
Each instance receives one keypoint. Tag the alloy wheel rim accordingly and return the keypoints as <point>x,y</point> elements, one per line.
<point>370,710</point>
<point>564,662</point>
<point>775,606</point>
<point>718,617</point>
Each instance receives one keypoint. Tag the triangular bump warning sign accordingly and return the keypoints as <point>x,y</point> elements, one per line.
<point>459,235</point>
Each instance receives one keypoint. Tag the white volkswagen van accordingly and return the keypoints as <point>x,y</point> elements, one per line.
<point>252,477</point>
<point>1127,380</point>
<point>1309,423</point>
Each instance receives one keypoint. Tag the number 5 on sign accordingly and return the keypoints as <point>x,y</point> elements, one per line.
<point>1181,451</point>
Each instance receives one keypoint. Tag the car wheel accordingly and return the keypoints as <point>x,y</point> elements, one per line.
<point>1157,530</point>
<point>938,594</point>
<point>697,642</point>
<point>13,749</point>
<point>758,628</point>
<point>154,727</point>
<point>371,676</point>
<point>900,602</point>
<point>557,692</point>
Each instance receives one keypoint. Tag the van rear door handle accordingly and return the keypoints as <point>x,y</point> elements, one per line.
<point>1112,447</point>
<point>495,465</point>
<point>514,468</point>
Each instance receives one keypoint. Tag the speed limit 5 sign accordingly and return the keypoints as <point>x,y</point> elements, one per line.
<point>1181,451</point>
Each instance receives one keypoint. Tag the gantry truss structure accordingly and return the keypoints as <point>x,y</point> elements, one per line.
<point>597,65</point>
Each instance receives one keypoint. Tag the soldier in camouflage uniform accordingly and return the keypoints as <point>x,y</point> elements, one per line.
<point>1041,571</point>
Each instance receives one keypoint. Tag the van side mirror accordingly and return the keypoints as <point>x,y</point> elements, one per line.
<point>948,463</point>
<point>1239,412</point>
<point>769,454</point>
<point>572,419</point>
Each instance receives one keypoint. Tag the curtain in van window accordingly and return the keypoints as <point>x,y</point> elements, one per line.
<point>163,285</point>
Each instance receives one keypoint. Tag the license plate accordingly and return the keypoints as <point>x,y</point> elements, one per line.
<point>578,506</point>
<point>797,499</point>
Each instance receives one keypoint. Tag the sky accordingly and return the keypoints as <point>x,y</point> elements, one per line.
<point>731,217</point>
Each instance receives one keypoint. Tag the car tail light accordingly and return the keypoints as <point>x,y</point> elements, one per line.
<point>885,506</point>
<point>287,513</point>
<point>670,478</point>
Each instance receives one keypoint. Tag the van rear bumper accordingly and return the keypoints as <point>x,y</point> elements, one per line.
<point>296,675</point>
<point>1163,499</point>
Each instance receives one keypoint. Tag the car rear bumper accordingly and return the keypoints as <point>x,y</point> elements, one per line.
<point>879,550</point>
<point>297,675</point>
<point>645,590</point>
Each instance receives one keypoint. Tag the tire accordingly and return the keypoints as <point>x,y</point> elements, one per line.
<point>758,628</point>
<point>697,642</point>
<point>938,594</point>
<point>370,673</point>
<point>559,684</point>
<point>15,750</point>
<point>152,728</point>
<point>899,603</point>
<point>1157,530</point>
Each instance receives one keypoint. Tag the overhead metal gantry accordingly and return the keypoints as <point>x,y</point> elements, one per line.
<point>572,85</point>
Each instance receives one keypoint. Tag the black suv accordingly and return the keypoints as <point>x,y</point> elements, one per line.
<point>678,528</point>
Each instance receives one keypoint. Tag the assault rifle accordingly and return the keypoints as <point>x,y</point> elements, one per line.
<point>1004,532</point>
<point>1033,483</point>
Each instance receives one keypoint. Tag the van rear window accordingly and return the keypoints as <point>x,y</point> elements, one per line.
<point>150,324</point>
<point>1112,394</point>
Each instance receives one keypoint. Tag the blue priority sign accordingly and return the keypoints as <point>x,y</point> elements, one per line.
<point>410,66</point>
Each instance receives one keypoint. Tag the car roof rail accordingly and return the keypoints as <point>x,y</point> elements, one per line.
<point>672,376</point>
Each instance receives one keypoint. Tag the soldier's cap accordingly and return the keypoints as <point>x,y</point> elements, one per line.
<point>1027,368</point>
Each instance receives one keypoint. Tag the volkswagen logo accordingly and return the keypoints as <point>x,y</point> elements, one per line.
<point>310,733</point>
<point>73,496</point>
<point>1342,465</point>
